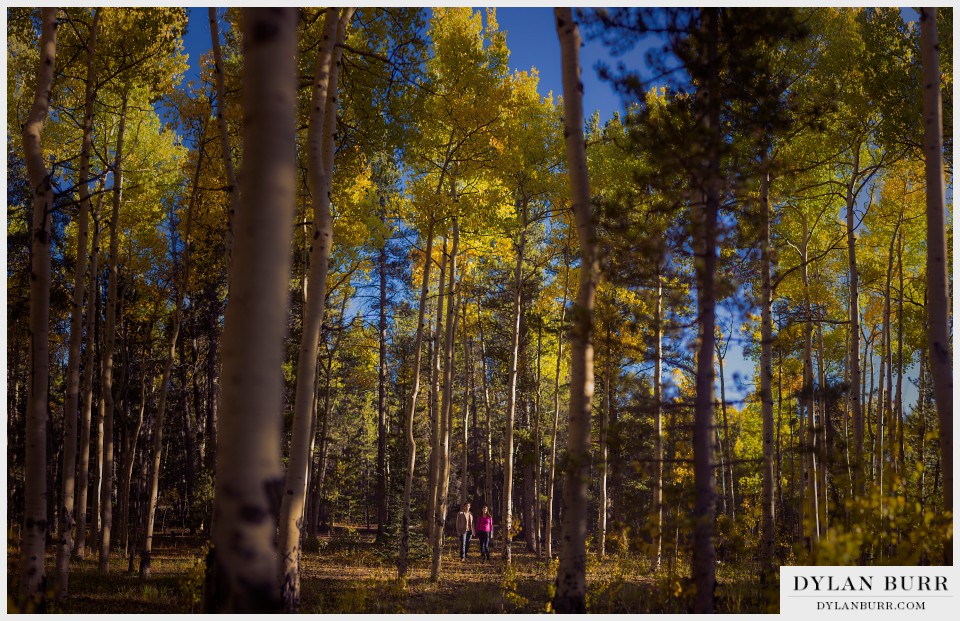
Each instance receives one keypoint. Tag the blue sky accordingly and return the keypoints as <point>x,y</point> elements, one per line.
<point>532,41</point>
<point>531,38</point>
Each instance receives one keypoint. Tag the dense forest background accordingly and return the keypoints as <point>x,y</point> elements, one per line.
<point>279,321</point>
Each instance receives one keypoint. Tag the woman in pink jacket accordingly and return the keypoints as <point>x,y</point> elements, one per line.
<point>485,532</point>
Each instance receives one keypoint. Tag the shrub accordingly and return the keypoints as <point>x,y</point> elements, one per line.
<point>190,585</point>
<point>884,530</point>
<point>509,587</point>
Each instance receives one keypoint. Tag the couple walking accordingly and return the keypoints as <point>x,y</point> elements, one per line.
<point>465,528</point>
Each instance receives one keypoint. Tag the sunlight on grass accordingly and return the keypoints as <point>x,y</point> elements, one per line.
<point>359,579</point>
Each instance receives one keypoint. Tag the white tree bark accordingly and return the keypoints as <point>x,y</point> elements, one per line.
<point>810,448</point>
<point>35,462</point>
<point>446,410</point>
<point>571,573</point>
<point>435,422</point>
<point>411,441</point>
<point>512,394</point>
<point>551,482</point>
<point>70,409</point>
<point>106,372</point>
<point>249,478</point>
<point>705,261</point>
<point>488,439</point>
<point>320,147</point>
<point>85,415</point>
<point>938,284</point>
<point>658,419</point>
<point>854,315</point>
<point>604,450</point>
<point>465,464</point>
<point>766,383</point>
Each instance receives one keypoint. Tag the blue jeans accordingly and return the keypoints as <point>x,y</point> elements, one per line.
<point>484,544</point>
<point>464,544</point>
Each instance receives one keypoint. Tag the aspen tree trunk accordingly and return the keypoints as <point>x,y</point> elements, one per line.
<point>465,472</point>
<point>824,435</point>
<point>722,468</point>
<point>604,428</point>
<point>475,422</point>
<point>436,419</point>
<point>324,439</point>
<point>382,386</point>
<point>847,440</point>
<point>154,481</point>
<point>526,498</point>
<point>921,412</point>
<point>189,425</point>
<point>854,355</point>
<point>213,393</point>
<point>878,440</point>
<point>800,458</point>
<point>727,443</point>
<point>615,444</point>
<point>320,476</point>
<point>524,421</point>
<point>780,435</point>
<point>571,574</point>
<point>52,476</point>
<point>887,406</point>
<point>810,448</point>
<point>83,483</point>
<point>310,500</point>
<point>35,526</point>
<point>127,473</point>
<point>96,400</point>
<point>864,395</point>
<point>233,190</point>
<point>705,224</point>
<point>512,392</point>
<point>125,436</point>
<point>106,381</point>
<point>119,541</point>
<point>153,485</point>
<point>445,416</point>
<point>71,405</point>
<point>324,450</point>
<point>198,406</point>
<point>938,304</point>
<point>321,142</point>
<point>658,419</point>
<point>487,451</point>
<point>901,468</point>
<point>305,222</point>
<point>548,530</point>
<point>249,470</point>
<point>402,563</point>
<point>98,465</point>
<point>868,354</point>
<point>189,428</point>
<point>536,445</point>
<point>768,526</point>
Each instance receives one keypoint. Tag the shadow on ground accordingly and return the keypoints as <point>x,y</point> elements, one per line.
<point>354,575</point>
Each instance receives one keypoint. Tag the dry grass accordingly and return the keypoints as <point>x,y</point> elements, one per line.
<point>119,591</point>
<point>356,579</point>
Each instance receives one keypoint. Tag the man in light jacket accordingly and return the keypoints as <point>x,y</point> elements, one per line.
<point>464,529</point>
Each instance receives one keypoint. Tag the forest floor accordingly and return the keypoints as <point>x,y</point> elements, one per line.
<point>351,575</point>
